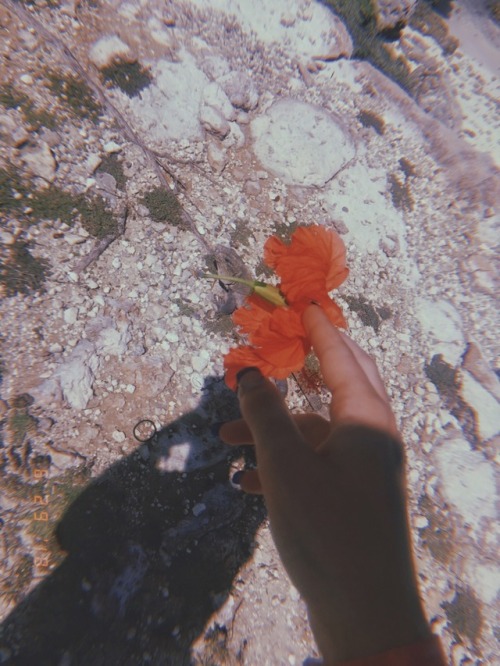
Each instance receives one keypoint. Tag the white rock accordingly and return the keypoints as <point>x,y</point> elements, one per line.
<point>467,480</point>
<point>172,336</point>
<point>130,388</point>
<point>92,284</point>
<point>116,263</point>
<point>420,522</point>
<point>213,121</point>
<point>169,107</point>
<point>6,237</point>
<point>216,156</point>
<point>240,89</point>
<point>109,50</point>
<point>485,580</point>
<point>92,162</point>
<point>113,341</point>
<point>40,161</point>
<point>199,363</point>
<point>76,376</point>
<point>443,324</point>
<point>118,436</point>
<point>112,147</point>
<point>26,79</point>
<point>301,143</point>
<point>73,277</point>
<point>70,315</point>
<point>197,381</point>
<point>55,348</point>
<point>214,96</point>
<point>484,405</point>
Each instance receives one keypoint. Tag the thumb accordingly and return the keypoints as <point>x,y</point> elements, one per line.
<point>274,432</point>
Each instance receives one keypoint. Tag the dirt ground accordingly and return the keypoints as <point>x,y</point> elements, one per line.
<point>145,143</point>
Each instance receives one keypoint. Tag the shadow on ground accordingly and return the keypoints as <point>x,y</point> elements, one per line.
<point>143,573</point>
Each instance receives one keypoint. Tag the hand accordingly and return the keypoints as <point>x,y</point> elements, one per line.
<point>336,498</point>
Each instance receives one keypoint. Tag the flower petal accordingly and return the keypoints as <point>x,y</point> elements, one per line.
<point>313,262</point>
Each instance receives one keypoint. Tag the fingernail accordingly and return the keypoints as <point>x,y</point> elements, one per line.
<point>215,428</point>
<point>236,478</point>
<point>249,377</point>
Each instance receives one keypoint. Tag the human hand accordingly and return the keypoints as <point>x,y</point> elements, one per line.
<point>336,498</point>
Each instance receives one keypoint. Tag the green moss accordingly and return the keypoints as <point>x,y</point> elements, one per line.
<point>285,231</point>
<point>370,119</point>
<point>21,272</point>
<point>400,192</point>
<point>130,77</point>
<point>464,615</point>
<point>75,94</point>
<point>36,118</point>
<point>96,218</point>
<point>365,311</point>
<point>54,204</point>
<point>111,164</point>
<point>10,184</point>
<point>19,425</point>
<point>163,206</point>
<point>12,99</point>
<point>442,375</point>
<point>427,20</point>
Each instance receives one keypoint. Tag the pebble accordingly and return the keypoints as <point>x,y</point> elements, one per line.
<point>118,436</point>
<point>70,315</point>
<point>92,284</point>
<point>421,522</point>
<point>72,276</point>
<point>172,336</point>
<point>6,237</point>
<point>27,79</point>
<point>199,509</point>
<point>199,363</point>
<point>112,147</point>
<point>116,263</point>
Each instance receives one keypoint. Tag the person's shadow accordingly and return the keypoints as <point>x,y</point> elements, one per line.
<point>151,554</point>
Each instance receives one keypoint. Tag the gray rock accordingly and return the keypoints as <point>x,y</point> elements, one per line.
<point>76,376</point>
<point>241,90</point>
<point>301,143</point>
<point>113,340</point>
<point>40,161</point>
<point>213,121</point>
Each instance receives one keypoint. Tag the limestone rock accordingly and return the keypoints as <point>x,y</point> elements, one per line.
<point>214,96</point>
<point>301,143</point>
<point>40,161</point>
<point>216,156</point>
<point>76,376</point>
<point>109,50</point>
<point>241,90</point>
<point>213,121</point>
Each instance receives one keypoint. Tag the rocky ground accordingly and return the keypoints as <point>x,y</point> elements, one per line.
<point>143,143</point>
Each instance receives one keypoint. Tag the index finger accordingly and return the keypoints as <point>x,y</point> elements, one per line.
<point>354,398</point>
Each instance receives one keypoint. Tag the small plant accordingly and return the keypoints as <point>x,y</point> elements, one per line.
<point>19,425</point>
<point>96,218</point>
<point>130,77</point>
<point>54,204</point>
<point>163,206</point>
<point>21,272</point>
<point>36,118</point>
<point>10,184</point>
<point>370,119</point>
<point>75,94</point>
<point>111,164</point>
<point>400,193</point>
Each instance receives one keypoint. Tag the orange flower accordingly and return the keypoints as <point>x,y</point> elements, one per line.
<point>309,267</point>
